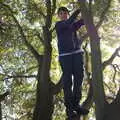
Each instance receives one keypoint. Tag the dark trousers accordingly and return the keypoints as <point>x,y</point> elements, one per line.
<point>72,67</point>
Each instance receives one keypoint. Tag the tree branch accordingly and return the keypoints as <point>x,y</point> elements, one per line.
<point>109,98</point>
<point>18,76</point>
<point>31,68</point>
<point>21,76</point>
<point>89,100</point>
<point>114,75</point>
<point>110,60</point>
<point>2,97</point>
<point>53,6</point>
<point>101,19</point>
<point>30,47</point>
<point>39,36</point>
<point>110,89</point>
<point>117,99</point>
<point>90,5</point>
<point>49,14</point>
<point>56,88</point>
<point>103,14</point>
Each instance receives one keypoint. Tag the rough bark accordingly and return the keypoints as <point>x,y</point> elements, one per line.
<point>110,60</point>
<point>104,110</point>
<point>44,96</point>
<point>0,112</point>
<point>97,76</point>
<point>112,110</point>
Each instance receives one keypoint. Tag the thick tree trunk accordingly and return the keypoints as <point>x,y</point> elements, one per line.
<point>112,111</point>
<point>44,96</point>
<point>44,100</point>
<point>0,111</point>
<point>44,103</point>
<point>97,76</point>
<point>104,111</point>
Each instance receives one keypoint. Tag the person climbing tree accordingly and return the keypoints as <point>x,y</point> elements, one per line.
<point>71,60</point>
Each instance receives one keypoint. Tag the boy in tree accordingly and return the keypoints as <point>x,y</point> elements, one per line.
<point>71,60</point>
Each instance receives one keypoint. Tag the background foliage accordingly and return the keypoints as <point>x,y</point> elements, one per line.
<point>18,68</point>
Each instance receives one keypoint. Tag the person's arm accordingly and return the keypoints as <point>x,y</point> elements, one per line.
<point>65,23</point>
<point>73,16</point>
<point>77,24</point>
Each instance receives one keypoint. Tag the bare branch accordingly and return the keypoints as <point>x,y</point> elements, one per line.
<point>52,29</point>
<point>109,98</point>
<point>101,19</point>
<point>49,14</point>
<point>103,14</point>
<point>53,6</point>
<point>2,97</point>
<point>114,75</point>
<point>21,76</point>
<point>110,89</point>
<point>18,76</point>
<point>110,60</point>
<point>117,99</point>
<point>39,36</point>
<point>6,76</point>
<point>31,68</point>
<point>90,5</point>
<point>89,100</point>
<point>56,88</point>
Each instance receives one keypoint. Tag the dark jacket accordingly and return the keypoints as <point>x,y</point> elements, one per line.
<point>66,34</point>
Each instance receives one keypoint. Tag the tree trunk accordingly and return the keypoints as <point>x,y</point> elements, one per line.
<point>44,96</point>
<point>104,111</point>
<point>44,100</point>
<point>0,111</point>
<point>97,76</point>
<point>112,111</point>
<point>44,103</point>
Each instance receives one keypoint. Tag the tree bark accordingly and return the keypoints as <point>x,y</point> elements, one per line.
<point>97,75</point>
<point>0,111</point>
<point>44,97</point>
<point>112,111</point>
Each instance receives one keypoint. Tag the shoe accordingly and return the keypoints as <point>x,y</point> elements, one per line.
<point>71,115</point>
<point>76,117</point>
<point>81,111</point>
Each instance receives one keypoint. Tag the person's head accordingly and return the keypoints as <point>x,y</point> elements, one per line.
<point>63,13</point>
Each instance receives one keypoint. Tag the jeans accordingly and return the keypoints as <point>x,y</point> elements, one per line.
<point>72,77</point>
